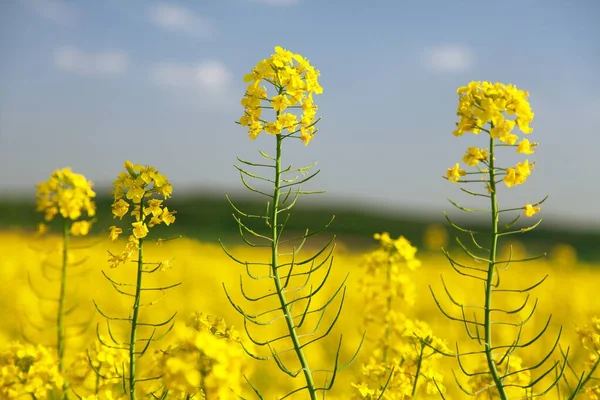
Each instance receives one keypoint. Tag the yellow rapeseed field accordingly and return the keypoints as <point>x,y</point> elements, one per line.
<point>202,268</point>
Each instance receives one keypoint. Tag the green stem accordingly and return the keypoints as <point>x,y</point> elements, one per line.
<point>134,318</point>
<point>60,324</point>
<point>310,385</point>
<point>489,280</point>
<point>414,389</point>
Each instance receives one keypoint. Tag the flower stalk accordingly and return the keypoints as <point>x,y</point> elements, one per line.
<point>285,308</point>
<point>60,340</point>
<point>69,196</point>
<point>489,285</point>
<point>501,373</point>
<point>294,81</point>
<point>135,195</point>
<point>135,315</point>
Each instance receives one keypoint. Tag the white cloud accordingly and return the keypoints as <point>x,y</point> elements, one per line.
<point>208,75</point>
<point>54,10</point>
<point>178,19</point>
<point>449,58</point>
<point>277,2</point>
<point>107,63</point>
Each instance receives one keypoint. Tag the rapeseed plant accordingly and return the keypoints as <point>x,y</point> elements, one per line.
<point>398,359</point>
<point>98,369</point>
<point>205,360</point>
<point>495,109</point>
<point>139,192</point>
<point>67,196</point>
<point>293,81</point>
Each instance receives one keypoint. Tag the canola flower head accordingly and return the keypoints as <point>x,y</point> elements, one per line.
<point>28,370</point>
<point>205,359</point>
<point>69,195</point>
<point>139,192</point>
<point>497,109</point>
<point>481,103</point>
<point>387,287</point>
<point>99,368</point>
<point>294,81</point>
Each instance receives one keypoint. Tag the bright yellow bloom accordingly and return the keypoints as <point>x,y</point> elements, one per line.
<point>167,216</point>
<point>120,208</point>
<point>294,81</point>
<point>482,103</point>
<point>280,103</point>
<point>518,175</point>
<point>153,207</point>
<point>525,147</point>
<point>474,155</point>
<point>140,184</point>
<point>288,121</point>
<point>140,230</point>
<point>530,211</point>
<point>453,174</point>
<point>274,128</point>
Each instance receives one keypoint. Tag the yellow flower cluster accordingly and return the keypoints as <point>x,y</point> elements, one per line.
<point>70,195</point>
<point>482,103</point>
<point>483,385</point>
<point>28,371</point>
<point>518,175</point>
<point>408,354</point>
<point>398,250</point>
<point>205,360</point>
<point>397,340</point>
<point>590,336</point>
<point>294,81</point>
<point>485,102</point>
<point>133,194</point>
<point>530,210</point>
<point>99,368</point>
<point>474,155</point>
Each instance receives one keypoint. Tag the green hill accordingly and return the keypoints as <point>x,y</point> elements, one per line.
<point>209,218</point>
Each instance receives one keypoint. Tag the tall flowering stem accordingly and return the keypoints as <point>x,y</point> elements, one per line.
<point>294,81</point>
<point>139,192</point>
<point>495,109</point>
<point>67,196</point>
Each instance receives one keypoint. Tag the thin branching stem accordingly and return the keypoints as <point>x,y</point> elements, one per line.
<point>490,276</point>
<point>310,385</point>
<point>135,315</point>
<point>60,324</point>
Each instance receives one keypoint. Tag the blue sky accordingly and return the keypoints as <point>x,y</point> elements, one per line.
<point>89,84</point>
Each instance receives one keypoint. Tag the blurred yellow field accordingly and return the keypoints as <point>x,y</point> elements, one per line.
<point>567,295</point>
